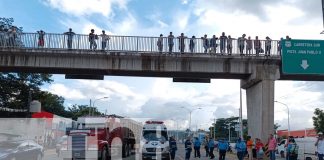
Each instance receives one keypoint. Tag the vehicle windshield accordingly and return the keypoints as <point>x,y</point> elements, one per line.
<point>155,135</point>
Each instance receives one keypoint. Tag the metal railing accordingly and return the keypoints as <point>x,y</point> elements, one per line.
<point>124,44</point>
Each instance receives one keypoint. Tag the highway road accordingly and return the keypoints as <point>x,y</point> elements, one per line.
<point>180,155</point>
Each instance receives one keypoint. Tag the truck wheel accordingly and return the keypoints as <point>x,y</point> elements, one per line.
<point>104,153</point>
<point>308,158</point>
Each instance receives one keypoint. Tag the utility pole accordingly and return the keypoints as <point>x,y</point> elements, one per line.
<point>214,133</point>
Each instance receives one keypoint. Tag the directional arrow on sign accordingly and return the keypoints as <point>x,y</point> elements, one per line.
<point>304,64</point>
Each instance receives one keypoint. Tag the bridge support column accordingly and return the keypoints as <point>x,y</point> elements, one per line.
<point>260,101</point>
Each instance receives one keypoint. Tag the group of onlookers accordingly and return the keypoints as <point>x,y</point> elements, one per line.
<point>225,42</point>
<point>245,149</point>
<point>8,36</point>
<point>210,45</point>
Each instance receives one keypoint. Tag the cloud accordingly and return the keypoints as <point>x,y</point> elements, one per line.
<point>86,7</point>
<point>66,92</point>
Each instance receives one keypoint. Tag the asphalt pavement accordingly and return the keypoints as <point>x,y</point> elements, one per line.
<point>180,155</point>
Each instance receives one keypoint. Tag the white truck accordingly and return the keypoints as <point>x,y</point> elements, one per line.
<point>154,141</point>
<point>306,149</point>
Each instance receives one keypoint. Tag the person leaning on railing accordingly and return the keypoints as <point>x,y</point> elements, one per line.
<point>229,45</point>
<point>70,35</point>
<point>105,39</point>
<point>205,43</point>
<point>257,45</point>
<point>192,43</point>
<point>170,42</point>
<point>159,43</point>
<point>182,43</point>
<point>267,46</point>
<point>41,35</point>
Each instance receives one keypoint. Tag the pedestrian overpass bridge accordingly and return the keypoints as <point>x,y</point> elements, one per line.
<point>139,56</point>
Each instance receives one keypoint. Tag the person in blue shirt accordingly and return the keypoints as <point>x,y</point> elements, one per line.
<point>173,147</point>
<point>222,147</point>
<point>240,147</point>
<point>188,148</point>
<point>197,145</point>
<point>293,149</point>
<point>211,146</point>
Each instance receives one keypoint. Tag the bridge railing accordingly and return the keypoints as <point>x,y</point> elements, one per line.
<point>122,44</point>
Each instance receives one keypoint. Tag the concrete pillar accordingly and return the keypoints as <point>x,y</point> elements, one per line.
<point>260,101</point>
<point>260,109</point>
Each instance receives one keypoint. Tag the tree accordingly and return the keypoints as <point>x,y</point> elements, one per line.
<point>16,88</point>
<point>52,103</point>
<point>224,125</point>
<point>83,110</point>
<point>318,120</point>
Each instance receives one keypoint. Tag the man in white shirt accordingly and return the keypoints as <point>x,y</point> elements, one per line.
<point>320,146</point>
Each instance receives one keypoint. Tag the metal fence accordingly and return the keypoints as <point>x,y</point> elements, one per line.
<point>124,44</point>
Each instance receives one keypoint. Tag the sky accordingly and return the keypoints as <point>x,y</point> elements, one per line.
<point>160,98</point>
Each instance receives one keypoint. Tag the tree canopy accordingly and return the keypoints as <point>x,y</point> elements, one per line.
<point>318,120</point>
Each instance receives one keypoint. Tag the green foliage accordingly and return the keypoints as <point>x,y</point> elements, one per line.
<point>7,23</point>
<point>223,125</point>
<point>15,88</point>
<point>318,120</point>
<point>83,110</point>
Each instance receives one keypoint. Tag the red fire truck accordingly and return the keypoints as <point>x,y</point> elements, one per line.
<point>101,138</point>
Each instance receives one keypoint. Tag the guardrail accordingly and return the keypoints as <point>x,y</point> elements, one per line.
<point>125,44</point>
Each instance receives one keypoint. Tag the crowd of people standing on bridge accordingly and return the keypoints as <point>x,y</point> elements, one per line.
<point>224,44</point>
<point>8,36</point>
<point>245,45</point>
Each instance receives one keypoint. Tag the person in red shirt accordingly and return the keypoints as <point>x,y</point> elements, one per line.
<point>259,149</point>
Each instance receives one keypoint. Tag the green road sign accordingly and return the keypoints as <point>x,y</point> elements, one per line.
<point>302,57</point>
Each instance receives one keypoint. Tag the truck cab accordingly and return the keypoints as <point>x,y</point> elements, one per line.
<point>154,141</point>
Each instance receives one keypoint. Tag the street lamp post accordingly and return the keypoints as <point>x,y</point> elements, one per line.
<point>93,104</point>
<point>288,116</point>
<point>190,111</point>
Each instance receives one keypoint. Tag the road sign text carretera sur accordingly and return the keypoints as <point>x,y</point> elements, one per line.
<point>302,56</point>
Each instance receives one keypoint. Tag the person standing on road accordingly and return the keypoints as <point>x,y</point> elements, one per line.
<point>211,145</point>
<point>197,145</point>
<point>320,146</point>
<point>240,147</point>
<point>70,35</point>
<point>272,145</point>
<point>259,149</point>
<point>188,148</point>
<point>173,147</point>
<point>249,146</point>
<point>205,143</point>
<point>293,149</point>
<point>105,40</point>
<point>222,147</point>
<point>170,42</point>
